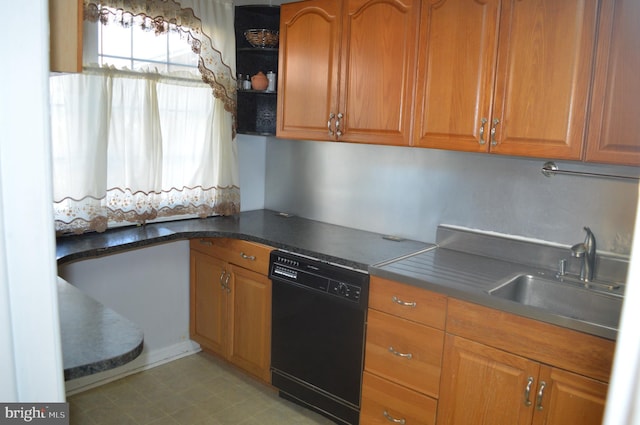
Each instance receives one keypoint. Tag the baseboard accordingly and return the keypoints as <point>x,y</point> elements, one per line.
<point>146,360</point>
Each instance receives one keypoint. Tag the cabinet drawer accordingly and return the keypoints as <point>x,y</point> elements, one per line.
<point>380,396</point>
<point>408,301</point>
<point>250,255</point>
<point>404,352</point>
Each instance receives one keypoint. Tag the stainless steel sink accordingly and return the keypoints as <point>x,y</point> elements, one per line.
<point>562,298</point>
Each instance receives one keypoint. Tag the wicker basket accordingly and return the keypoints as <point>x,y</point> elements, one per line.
<point>262,37</point>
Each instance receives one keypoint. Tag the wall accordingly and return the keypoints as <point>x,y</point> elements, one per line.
<point>251,163</point>
<point>148,286</point>
<point>409,191</point>
<point>30,351</point>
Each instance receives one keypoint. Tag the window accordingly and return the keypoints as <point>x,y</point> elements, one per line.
<point>138,46</point>
<point>144,132</point>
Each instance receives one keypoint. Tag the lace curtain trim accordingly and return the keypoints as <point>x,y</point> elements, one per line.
<point>91,214</point>
<point>167,15</point>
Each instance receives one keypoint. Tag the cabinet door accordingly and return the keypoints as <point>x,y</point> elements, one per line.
<point>65,35</point>
<point>484,386</point>
<point>250,322</point>
<point>207,324</point>
<point>308,68</point>
<point>614,127</point>
<point>457,57</point>
<point>568,398</point>
<point>378,63</point>
<point>545,53</point>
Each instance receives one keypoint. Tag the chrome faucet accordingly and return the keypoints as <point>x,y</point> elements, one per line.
<point>587,251</point>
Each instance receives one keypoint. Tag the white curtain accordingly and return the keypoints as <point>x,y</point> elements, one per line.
<point>132,147</point>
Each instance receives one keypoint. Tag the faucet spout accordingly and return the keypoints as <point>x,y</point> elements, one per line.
<point>587,251</point>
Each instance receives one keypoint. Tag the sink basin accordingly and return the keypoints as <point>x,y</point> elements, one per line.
<point>562,298</point>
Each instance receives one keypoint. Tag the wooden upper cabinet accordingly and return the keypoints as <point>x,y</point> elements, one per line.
<point>458,42</point>
<point>509,77</point>
<point>347,70</point>
<point>378,70</point>
<point>614,127</point>
<point>308,68</point>
<point>65,35</point>
<point>544,70</point>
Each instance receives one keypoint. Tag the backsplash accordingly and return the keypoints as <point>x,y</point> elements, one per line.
<point>410,191</point>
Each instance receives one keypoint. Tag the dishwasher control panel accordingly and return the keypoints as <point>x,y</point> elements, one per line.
<point>313,274</point>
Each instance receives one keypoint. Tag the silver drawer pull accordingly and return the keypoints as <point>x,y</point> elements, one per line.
<point>403,303</point>
<point>248,257</point>
<point>392,419</point>
<point>207,243</point>
<point>407,356</point>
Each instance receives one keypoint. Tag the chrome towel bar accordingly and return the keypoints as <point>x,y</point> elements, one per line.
<point>550,169</point>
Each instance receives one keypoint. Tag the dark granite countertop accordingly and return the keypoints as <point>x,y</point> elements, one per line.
<point>94,337</point>
<point>447,269</point>
<point>345,246</point>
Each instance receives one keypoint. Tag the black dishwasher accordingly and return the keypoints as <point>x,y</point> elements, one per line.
<point>318,331</point>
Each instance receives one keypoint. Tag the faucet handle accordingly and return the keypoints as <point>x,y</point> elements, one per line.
<point>562,267</point>
<point>578,250</point>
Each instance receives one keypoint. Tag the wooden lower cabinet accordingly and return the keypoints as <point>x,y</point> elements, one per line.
<point>384,402</point>
<point>230,311</point>
<point>431,359</point>
<point>482,385</point>
<point>208,302</point>
<point>569,398</point>
<point>249,342</point>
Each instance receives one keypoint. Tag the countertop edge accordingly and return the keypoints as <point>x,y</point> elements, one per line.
<point>94,338</point>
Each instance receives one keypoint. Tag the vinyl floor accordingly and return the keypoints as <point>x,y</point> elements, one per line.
<point>195,390</point>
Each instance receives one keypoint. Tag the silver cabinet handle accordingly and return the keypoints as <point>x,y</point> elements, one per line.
<point>224,272</point>
<point>494,123</point>
<point>338,132</point>
<point>527,392</point>
<point>247,257</point>
<point>392,419</point>
<point>331,117</point>
<point>407,356</point>
<point>207,243</point>
<point>483,121</point>
<point>397,300</point>
<point>226,283</point>
<point>540,395</point>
